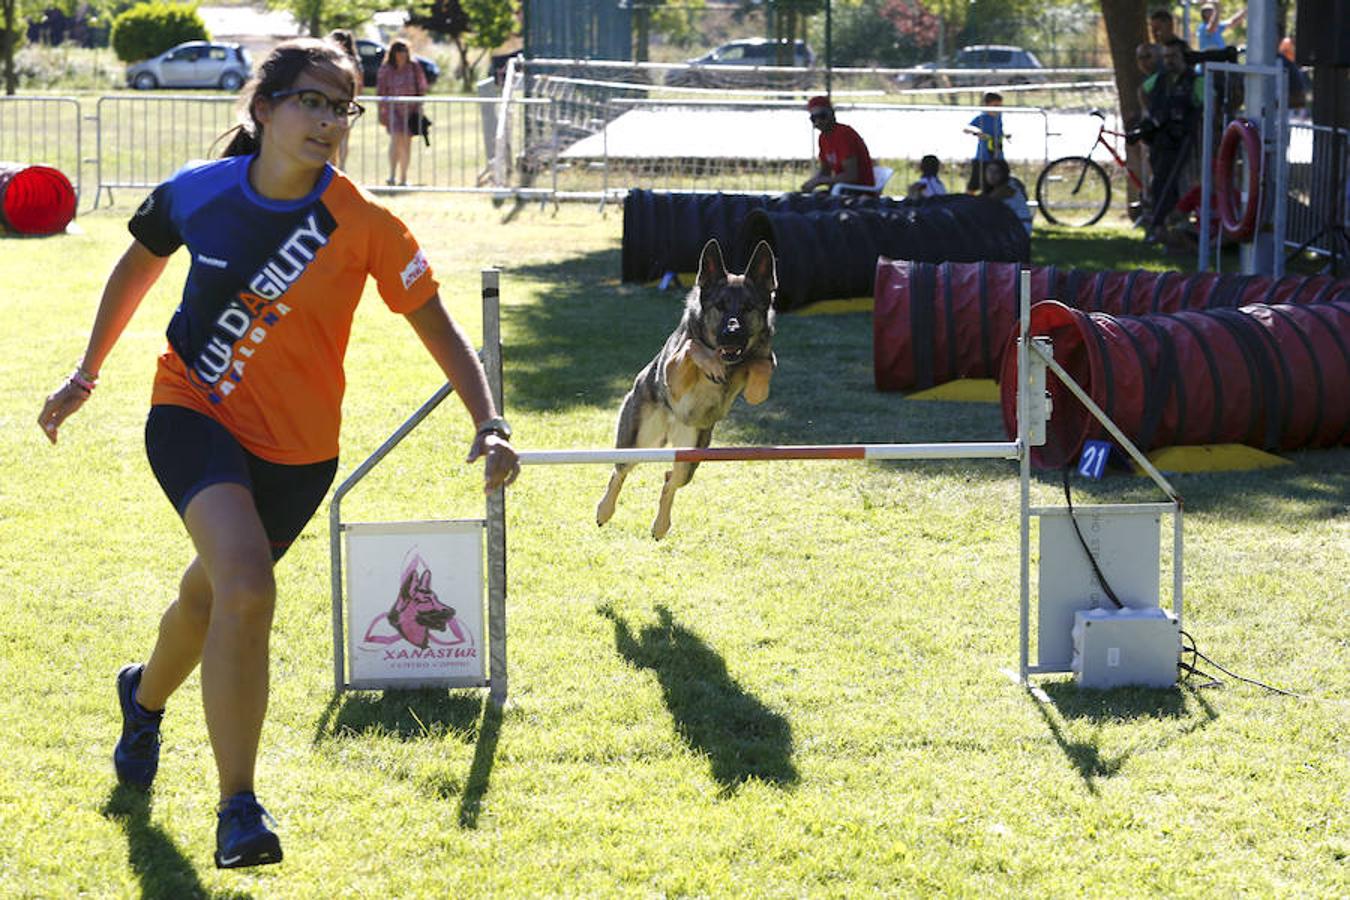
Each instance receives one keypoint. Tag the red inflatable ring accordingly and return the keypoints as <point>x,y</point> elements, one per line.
<point>1242,227</point>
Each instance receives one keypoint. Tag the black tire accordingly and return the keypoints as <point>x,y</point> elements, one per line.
<point>1074,191</point>
<point>145,82</point>
<point>231,81</point>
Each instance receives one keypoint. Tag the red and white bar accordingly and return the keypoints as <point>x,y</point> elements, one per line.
<point>995,450</point>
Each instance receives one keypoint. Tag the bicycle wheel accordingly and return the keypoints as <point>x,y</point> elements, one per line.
<point>1073,191</point>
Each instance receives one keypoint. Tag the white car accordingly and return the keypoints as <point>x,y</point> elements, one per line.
<point>195,64</point>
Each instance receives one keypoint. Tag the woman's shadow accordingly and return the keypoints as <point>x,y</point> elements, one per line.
<point>741,737</point>
<point>162,868</point>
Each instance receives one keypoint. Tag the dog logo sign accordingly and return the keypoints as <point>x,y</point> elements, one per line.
<point>417,615</point>
<point>415,602</point>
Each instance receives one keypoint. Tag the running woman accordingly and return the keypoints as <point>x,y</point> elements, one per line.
<point>243,427</point>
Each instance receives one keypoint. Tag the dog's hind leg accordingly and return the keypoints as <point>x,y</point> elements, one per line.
<point>680,474</point>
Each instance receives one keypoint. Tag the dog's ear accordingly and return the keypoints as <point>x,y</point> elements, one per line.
<point>711,269</point>
<point>763,270</point>
<point>424,583</point>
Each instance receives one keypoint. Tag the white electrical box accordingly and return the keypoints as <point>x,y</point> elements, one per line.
<point>1119,647</point>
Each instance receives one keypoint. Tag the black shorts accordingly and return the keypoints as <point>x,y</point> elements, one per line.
<point>189,451</point>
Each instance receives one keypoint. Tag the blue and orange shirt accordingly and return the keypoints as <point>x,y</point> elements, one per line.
<point>258,341</point>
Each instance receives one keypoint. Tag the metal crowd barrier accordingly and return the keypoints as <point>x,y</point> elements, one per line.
<point>44,131</point>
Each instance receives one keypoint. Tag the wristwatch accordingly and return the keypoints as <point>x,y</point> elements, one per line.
<point>495,425</point>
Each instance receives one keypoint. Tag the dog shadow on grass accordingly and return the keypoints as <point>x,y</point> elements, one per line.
<point>1076,719</point>
<point>412,715</point>
<point>163,869</point>
<point>741,737</point>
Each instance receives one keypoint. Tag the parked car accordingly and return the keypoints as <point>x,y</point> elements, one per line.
<point>372,54</point>
<point>744,52</point>
<point>756,52</point>
<point>979,56</point>
<point>195,64</point>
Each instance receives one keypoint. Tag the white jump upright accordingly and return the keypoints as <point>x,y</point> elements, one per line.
<point>1061,595</point>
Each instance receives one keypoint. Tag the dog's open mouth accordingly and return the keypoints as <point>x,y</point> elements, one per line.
<point>730,355</point>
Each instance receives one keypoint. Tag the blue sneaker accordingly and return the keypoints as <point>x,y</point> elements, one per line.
<point>242,838</point>
<point>136,756</point>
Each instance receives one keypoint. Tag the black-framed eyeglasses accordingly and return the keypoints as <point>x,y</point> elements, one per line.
<point>313,102</point>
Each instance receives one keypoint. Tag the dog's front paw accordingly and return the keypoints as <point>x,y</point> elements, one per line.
<point>708,362</point>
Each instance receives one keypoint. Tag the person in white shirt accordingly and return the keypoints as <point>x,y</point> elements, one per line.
<point>929,184</point>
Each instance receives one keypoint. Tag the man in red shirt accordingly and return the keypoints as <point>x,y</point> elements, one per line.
<point>843,155</point>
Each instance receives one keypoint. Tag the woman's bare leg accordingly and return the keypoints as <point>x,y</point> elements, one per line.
<point>234,553</point>
<point>182,631</point>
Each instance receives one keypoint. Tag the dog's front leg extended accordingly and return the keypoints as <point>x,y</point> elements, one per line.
<point>759,372</point>
<point>707,360</point>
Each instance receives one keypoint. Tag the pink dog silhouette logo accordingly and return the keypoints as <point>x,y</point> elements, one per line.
<point>417,615</point>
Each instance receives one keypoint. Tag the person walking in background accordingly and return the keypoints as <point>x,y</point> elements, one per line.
<point>343,38</point>
<point>844,158</point>
<point>1209,36</point>
<point>242,433</point>
<point>988,127</point>
<point>929,184</point>
<point>399,76</point>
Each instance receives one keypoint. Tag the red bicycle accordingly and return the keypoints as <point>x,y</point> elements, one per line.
<point>1076,190</point>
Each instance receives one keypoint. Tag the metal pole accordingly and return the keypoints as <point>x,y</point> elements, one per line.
<point>829,46</point>
<point>1206,168</point>
<point>496,501</point>
<point>335,524</point>
<point>1024,475</point>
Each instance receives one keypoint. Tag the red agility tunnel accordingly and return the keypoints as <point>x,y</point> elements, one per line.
<point>934,323</point>
<point>35,199</point>
<point>1273,377</point>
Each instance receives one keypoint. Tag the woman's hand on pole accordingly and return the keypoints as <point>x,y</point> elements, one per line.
<point>501,466</point>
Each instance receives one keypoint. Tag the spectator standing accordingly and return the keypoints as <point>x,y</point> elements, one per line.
<point>1175,98</point>
<point>1209,36</point>
<point>399,76</point>
<point>1162,26</point>
<point>929,184</point>
<point>343,38</point>
<point>988,127</point>
<point>844,158</point>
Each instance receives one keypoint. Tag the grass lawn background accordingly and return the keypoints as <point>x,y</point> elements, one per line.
<point>797,692</point>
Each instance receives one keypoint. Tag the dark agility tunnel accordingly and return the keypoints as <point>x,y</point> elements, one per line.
<point>936,323</point>
<point>1273,377</point>
<point>35,200</point>
<point>827,247</point>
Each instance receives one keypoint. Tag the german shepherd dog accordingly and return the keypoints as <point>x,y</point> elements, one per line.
<point>722,346</point>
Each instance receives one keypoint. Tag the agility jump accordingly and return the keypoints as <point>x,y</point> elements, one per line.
<point>1035,357</point>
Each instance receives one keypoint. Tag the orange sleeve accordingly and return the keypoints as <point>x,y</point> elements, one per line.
<point>399,266</point>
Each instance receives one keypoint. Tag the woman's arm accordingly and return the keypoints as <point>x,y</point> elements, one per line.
<point>453,352</point>
<point>132,277</point>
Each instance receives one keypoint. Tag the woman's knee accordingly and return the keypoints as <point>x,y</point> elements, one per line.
<point>246,591</point>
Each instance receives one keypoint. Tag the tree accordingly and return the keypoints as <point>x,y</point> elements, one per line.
<point>9,40</point>
<point>148,29</point>
<point>1126,24</point>
<point>321,16</point>
<point>482,25</point>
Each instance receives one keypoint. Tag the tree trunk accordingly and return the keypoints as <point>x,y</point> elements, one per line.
<point>7,42</point>
<point>1126,24</point>
<point>644,26</point>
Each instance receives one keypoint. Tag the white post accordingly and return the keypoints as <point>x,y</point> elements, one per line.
<point>1258,256</point>
<point>1024,473</point>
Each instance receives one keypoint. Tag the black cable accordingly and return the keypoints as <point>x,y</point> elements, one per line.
<point>1231,674</point>
<point>1101,579</point>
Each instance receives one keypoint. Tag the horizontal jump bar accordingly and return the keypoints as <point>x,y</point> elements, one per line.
<point>999,450</point>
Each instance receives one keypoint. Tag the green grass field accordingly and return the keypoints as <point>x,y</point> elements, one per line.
<point>797,693</point>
